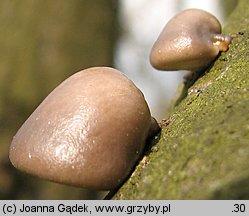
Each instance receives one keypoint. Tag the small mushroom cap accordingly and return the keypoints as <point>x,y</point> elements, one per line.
<point>88,132</point>
<point>186,42</point>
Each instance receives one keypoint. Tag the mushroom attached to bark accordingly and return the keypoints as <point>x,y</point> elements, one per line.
<point>88,132</point>
<point>189,41</point>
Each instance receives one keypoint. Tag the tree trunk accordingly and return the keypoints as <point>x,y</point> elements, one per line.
<point>204,151</point>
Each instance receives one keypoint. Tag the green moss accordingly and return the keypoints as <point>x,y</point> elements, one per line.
<point>203,153</point>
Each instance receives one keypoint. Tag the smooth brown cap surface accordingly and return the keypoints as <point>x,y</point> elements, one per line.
<point>88,132</point>
<point>186,41</point>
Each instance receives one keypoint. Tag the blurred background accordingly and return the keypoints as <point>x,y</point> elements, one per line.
<point>44,42</point>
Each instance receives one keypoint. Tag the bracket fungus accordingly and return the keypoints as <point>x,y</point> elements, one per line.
<point>88,132</point>
<point>189,41</point>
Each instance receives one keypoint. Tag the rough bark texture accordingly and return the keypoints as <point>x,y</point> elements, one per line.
<point>204,152</point>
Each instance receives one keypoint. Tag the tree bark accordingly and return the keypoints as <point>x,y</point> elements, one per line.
<point>204,151</point>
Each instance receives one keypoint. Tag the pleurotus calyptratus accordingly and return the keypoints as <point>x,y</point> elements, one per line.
<point>189,41</point>
<point>88,132</point>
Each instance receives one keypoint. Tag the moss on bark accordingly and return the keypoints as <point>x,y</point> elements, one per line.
<point>203,153</point>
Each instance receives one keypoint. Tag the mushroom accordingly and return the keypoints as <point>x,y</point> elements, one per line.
<point>189,41</point>
<point>88,132</point>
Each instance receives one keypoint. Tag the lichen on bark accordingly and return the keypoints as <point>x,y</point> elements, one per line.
<point>203,153</point>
